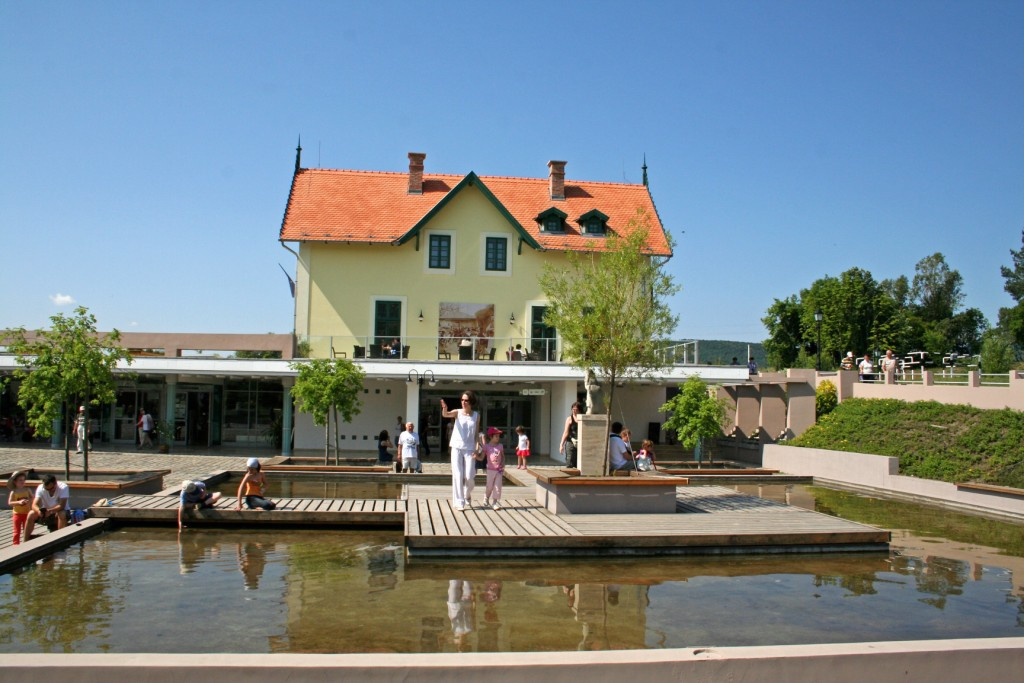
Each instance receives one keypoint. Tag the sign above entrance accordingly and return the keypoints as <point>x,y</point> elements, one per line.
<point>532,392</point>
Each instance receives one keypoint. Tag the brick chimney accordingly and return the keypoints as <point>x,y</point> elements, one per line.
<point>416,172</point>
<point>556,177</point>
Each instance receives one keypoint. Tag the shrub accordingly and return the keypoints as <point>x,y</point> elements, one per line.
<point>825,398</point>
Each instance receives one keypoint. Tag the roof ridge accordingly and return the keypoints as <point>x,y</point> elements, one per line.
<point>541,179</point>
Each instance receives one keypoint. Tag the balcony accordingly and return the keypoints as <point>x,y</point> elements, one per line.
<point>485,349</point>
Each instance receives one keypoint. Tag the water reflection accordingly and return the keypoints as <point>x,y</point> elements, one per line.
<point>351,591</point>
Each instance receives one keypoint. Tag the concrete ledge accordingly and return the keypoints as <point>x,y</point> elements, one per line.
<point>561,493</point>
<point>879,473</point>
<point>996,659</point>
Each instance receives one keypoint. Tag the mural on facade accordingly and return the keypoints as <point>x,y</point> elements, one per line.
<point>459,322</point>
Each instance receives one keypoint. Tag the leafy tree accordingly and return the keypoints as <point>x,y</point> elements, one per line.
<point>609,307</point>
<point>70,364</point>
<point>326,387</point>
<point>937,290</point>
<point>695,414</point>
<point>784,332</point>
<point>997,355</point>
<point>1012,319</point>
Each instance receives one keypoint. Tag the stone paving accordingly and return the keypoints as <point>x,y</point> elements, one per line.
<point>184,463</point>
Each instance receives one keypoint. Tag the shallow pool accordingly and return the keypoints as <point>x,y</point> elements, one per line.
<point>319,486</point>
<point>143,590</point>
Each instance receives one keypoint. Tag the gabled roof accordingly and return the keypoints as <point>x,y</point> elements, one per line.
<point>375,207</point>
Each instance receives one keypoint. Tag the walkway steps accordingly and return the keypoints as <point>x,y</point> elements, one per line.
<point>290,511</point>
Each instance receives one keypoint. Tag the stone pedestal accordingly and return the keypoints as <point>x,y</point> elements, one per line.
<point>608,495</point>
<point>593,436</point>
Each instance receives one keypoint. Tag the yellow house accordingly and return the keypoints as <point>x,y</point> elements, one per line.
<point>433,275</point>
<point>409,265</point>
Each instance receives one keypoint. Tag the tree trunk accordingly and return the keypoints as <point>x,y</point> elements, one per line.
<point>85,445</point>
<point>337,432</point>
<point>327,440</point>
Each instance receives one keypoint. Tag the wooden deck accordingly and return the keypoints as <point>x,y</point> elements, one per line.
<point>290,511</point>
<point>708,520</point>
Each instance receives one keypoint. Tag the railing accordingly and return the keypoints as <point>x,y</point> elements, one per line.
<point>473,348</point>
<point>683,353</point>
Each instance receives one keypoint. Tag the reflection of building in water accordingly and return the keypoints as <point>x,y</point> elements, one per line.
<point>612,616</point>
<point>252,560</point>
<point>461,612</point>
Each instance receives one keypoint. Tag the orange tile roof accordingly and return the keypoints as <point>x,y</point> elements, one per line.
<point>367,206</point>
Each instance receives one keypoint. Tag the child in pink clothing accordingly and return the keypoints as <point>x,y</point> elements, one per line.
<point>523,447</point>
<point>494,455</point>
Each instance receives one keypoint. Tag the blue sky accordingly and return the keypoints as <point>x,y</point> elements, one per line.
<point>147,148</point>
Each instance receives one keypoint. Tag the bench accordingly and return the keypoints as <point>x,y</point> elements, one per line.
<point>991,488</point>
<point>563,492</point>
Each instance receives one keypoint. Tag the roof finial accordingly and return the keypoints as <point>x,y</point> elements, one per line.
<point>298,156</point>
<point>645,169</point>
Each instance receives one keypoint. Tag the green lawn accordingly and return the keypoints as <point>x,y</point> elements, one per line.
<point>934,441</point>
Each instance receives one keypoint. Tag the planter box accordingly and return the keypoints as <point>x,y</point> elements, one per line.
<point>562,493</point>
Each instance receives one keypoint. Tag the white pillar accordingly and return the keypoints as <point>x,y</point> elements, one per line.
<point>563,395</point>
<point>412,404</point>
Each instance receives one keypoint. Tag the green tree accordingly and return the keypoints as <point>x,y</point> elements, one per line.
<point>609,307</point>
<point>785,336</point>
<point>695,414</point>
<point>937,290</point>
<point>997,354</point>
<point>70,364</point>
<point>328,387</point>
<point>826,398</point>
<point>1011,319</point>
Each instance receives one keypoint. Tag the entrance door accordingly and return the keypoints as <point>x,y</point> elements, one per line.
<point>198,418</point>
<point>542,337</point>
<point>506,413</point>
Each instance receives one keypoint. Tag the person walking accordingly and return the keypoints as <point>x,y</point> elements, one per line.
<point>464,441</point>
<point>145,425</point>
<point>570,436</point>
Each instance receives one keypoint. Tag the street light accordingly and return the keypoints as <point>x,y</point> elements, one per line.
<point>817,319</point>
<point>421,376</point>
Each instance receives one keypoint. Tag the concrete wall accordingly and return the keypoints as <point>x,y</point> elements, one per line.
<point>994,659</point>
<point>862,470</point>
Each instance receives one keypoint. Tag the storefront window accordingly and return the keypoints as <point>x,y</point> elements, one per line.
<point>251,408</point>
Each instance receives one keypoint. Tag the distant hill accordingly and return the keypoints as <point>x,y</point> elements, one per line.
<point>721,352</point>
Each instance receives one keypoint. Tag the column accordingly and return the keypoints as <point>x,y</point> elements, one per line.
<point>286,415</point>
<point>171,397</point>
<point>412,405</point>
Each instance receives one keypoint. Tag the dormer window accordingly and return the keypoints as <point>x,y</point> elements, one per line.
<point>594,223</point>
<point>552,220</point>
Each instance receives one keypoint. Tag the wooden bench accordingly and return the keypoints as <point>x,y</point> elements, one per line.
<point>991,488</point>
<point>563,492</point>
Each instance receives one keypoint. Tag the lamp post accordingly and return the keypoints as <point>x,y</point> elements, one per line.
<point>420,377</point>
<point>817,319</point>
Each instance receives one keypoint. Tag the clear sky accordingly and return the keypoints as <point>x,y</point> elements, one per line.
<point>148,147</point>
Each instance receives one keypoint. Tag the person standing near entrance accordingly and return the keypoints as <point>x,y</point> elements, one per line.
<point>463,443</point>
<point>82,429</point>
<point>145,426</point>
<point>570,436</point>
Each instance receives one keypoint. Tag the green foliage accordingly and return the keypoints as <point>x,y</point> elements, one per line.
<point>937,290</point>
<point>695,415</point>
<point>610,306</point>
<point>997,354</point>
<point>327,386</point>
<point>324,385</point>
<point>932,440</point>
<point>826,398</point>
<point>785,336</point>
<point>68,364</point>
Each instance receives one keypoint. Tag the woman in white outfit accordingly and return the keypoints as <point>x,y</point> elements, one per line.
<point>465,437</point>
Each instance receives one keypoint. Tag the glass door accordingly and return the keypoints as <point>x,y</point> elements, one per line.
<point>387,328</point>
<point>542,337</point>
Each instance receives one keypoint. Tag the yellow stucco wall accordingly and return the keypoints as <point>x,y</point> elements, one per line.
<point>336,300</point>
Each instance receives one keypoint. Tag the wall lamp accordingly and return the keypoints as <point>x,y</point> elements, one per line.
<point>512,319</point>
<point>421,315</point>
<point>419,377</point>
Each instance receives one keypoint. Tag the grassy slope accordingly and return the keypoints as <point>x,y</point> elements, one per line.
<point>932,441</point>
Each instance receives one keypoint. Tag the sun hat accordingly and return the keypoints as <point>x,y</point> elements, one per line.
<point>14,475</point>
<point>491,431</point>
<point>189,486</point>
<point>252,462</point>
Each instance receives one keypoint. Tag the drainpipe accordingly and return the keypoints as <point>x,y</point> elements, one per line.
<point>293,307</point>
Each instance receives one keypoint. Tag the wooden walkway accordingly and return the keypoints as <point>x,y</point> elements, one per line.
<point>708,520</point>
<point>291,511</point>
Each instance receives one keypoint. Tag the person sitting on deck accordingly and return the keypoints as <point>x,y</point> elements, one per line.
<point>50,505</point>
<point>195,495</point>
<point>618,453</point>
